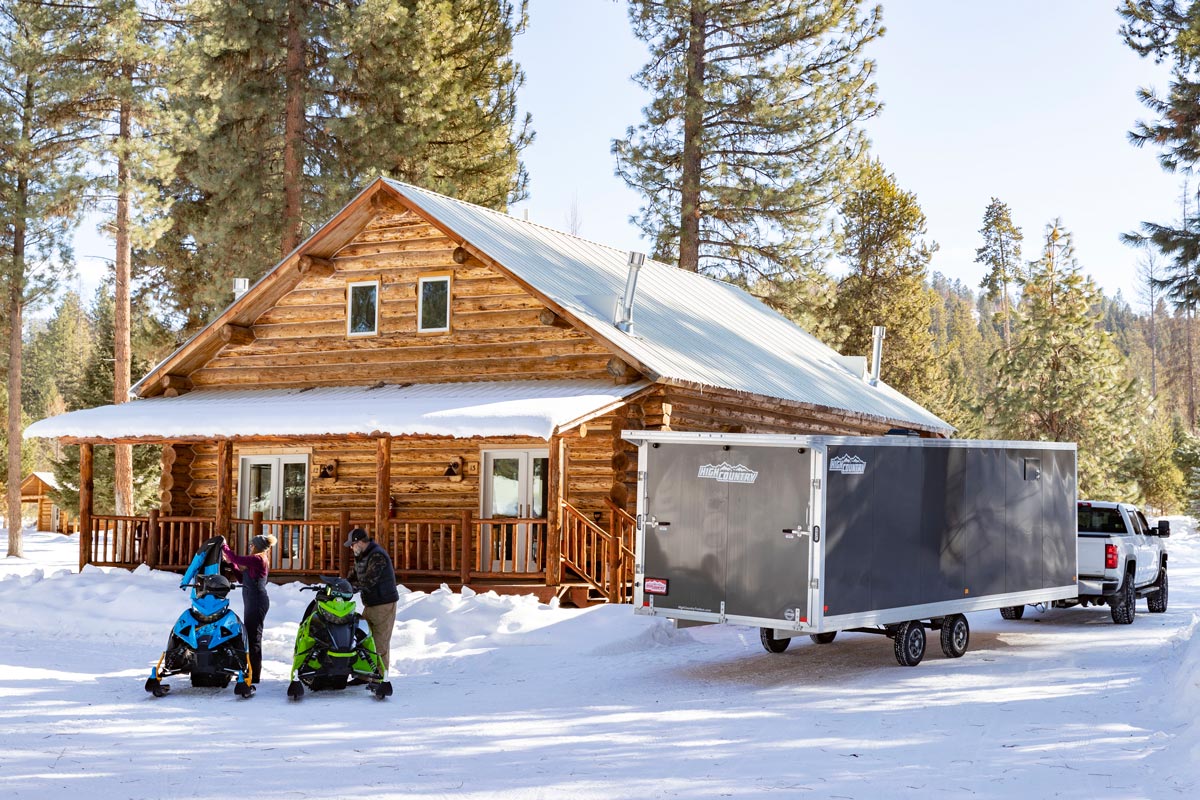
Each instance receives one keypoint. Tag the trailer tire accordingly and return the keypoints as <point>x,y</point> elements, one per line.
<point>1124,604</point>
<point>1012,612</point>
<point>770,643</point>
<point>909,643</point>
<point>1157,602</point>
<point>956,635</point>
<point>823,638</point>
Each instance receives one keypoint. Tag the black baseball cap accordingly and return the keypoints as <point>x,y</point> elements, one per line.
<point>357,535</point>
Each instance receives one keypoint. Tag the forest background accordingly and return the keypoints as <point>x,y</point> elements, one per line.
<point>211,137</point>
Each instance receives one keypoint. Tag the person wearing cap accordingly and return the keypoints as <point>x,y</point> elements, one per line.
<point>375,579</point>
<point>252,571</point>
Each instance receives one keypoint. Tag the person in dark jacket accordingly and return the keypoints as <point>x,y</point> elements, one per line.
<point>375,579</point>
<point>252,571</point>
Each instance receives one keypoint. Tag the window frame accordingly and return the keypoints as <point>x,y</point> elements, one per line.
<point>350,287</point>
<point>432,277</point>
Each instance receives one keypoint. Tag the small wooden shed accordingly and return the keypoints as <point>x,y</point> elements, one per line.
<point>36,488</point>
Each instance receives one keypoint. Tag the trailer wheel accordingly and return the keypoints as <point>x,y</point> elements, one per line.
<point>1012,612</point>
<point>1123,607</point>
<point>823,638</point>
<point>956,635</point>
<point>1157,602</point>
<point>770,643</point>
<point>909,643</point>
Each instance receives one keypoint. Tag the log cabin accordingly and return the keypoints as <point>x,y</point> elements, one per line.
<point>36,489</point>
<point>455,380</point>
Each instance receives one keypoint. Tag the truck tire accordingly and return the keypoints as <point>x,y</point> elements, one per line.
<point>770,643</point>
<point>1157,602</point>
<point>1124,604</point>
<point>1012,612</point>
<point>956,635</point>
<point>909,643</point>
<point>823,638</point>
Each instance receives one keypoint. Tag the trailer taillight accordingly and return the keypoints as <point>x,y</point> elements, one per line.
<point>1110,556</point>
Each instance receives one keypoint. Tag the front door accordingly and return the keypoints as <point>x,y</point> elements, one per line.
<point>516,492</point>
<point>278,487</point>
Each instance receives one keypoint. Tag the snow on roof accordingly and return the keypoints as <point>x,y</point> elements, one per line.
<point>47,478</point>
<point>509,408</point>
<point>686,327</point>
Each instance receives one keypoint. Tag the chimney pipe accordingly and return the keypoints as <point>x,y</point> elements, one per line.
<point>623,318</point>
<point>877,334</point>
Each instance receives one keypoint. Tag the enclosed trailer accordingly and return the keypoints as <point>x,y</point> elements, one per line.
<point>817,534</point>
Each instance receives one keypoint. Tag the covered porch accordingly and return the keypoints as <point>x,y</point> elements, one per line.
<point>498,492</point>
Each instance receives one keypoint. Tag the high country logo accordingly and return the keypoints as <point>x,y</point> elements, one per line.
<point>848,465</point>
<point>728,473</point>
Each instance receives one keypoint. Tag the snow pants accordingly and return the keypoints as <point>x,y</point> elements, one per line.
<point>254,593</point>
<point>381,619</point>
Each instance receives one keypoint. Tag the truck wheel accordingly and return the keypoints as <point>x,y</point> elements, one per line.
<point>909,643</point>
<point>1157,602</point>
<point>956,635</point>
<point>770,643</point>
<point>1012,612</point>
<point>1124,605</point>
<point>823,638</point>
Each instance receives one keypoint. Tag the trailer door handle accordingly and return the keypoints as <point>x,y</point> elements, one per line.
<point>816,534</point>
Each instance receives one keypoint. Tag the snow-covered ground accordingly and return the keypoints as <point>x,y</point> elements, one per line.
<point>506,698</point>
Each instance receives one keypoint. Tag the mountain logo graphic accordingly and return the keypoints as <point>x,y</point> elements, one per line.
<point>848,465</point>
<point>727,473</point>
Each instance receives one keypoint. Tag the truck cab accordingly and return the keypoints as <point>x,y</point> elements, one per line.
<point>1121,558</point>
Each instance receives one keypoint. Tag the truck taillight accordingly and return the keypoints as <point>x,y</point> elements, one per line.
<point>1110,556</point>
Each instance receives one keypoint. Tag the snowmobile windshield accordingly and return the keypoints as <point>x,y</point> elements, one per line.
<point>213,586</point>
<point>337,610</point>
<point>338,587</point>
<point>207,561</point>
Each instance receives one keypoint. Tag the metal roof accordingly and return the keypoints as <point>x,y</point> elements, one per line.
<point>496,408</point>
<point>686,327</point>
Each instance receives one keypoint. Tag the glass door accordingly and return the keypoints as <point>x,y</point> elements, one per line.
<point>277,486</point>
<point>516,493</point>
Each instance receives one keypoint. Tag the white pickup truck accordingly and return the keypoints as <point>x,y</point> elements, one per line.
<point>1121,558</point>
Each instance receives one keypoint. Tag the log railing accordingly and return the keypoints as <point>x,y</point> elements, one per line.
<point>175,540</point>
<point>434,548</point>
<point>512,548</point>
<point>597,555</point>
<point>117,541</point>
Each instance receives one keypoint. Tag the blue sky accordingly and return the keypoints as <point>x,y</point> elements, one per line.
<point>1025,100</point>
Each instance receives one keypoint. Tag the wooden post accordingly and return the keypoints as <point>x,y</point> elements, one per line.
<point>152,540</point>
<point>383,486</point>
<point>465,541</point>
<point>86,487</point>
<point>224,488</point>
<point>345,560</point>
<point>256,518</point>
<point>553,513</point>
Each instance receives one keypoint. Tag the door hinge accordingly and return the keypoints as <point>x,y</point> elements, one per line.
<point>816,484</point>
<point>815,583</point>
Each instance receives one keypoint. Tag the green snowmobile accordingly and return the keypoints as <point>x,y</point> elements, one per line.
<point>334,646</point>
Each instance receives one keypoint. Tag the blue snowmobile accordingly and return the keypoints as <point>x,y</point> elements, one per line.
<point>208,641</point>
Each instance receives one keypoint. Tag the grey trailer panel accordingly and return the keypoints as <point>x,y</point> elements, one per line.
<point>982,520</point>
<point>685,531</point>
<point>769,533</point>
<point>1058,519</point>
<point>1023,520</point>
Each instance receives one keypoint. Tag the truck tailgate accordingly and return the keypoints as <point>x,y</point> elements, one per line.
<point>1090,552</point>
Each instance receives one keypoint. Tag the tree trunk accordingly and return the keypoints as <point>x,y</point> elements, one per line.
<point>1191,372</point>
<point>693,118</point>
<point>293,128</point>
<point>16,302</point>
<point>123,468</point>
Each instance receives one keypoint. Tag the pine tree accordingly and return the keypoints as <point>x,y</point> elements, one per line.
<point>294,105</point>
<point>882,241</point>
<point>1001,254</point>
<point>752,130</point>
<point>960,345</point>
<point>1062,379</point>
<point>1152,465</point>
<point>42,128</point>
<point>95,389</point>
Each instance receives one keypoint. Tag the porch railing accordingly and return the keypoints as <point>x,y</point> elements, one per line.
<point>458,549</point>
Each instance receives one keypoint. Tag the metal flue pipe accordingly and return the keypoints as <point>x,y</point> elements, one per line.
<point>877,334</point>
<point>623,318</point>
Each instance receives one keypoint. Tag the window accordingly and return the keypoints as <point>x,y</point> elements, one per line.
<point>433,304</point>
<point>362,309</point>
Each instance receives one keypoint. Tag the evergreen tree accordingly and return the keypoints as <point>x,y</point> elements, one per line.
<point>882,242</point>
<point>1001,254</point>
<point>1062,379</point>
<point>1152,465</point>
<point>42,127</point>
<point>293,106</point>
<point>752,130</point>
<point>96,389</point>
<point>961,347</point>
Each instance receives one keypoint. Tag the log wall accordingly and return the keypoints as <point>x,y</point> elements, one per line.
<point>495,334</point>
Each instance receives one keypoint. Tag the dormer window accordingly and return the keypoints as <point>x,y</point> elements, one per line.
<point>362,308</point>
<point>433,304</point>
